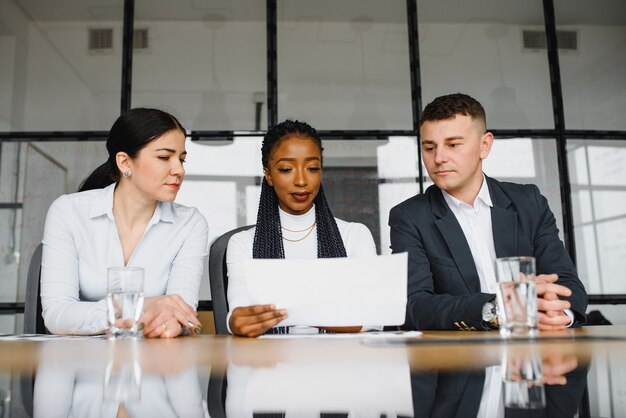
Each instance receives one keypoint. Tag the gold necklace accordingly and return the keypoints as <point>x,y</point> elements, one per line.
<point>299,239</point>
<point>302,230</point>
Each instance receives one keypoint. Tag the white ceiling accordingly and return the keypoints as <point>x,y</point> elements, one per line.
<point>526,12</point>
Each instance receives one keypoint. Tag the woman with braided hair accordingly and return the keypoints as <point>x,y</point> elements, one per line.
<point>293,221</point>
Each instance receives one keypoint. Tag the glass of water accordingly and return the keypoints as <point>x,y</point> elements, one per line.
<point>124,301</point>
<point>517,296</point>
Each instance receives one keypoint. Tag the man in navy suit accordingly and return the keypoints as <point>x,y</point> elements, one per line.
<point>460,225</point>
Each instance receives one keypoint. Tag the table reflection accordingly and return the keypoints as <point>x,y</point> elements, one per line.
<point>305,377</point>
<point>122,385</point>
<point>530,381</point>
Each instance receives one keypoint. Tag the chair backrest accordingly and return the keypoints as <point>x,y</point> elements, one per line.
<point>33,321</point>
<point>218,279</point>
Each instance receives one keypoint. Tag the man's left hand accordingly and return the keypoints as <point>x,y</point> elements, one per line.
<point>551,308</point>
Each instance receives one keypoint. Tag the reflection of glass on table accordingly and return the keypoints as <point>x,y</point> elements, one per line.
<point>122,376</point>
<point>522,379</point>
<point>5,403</point>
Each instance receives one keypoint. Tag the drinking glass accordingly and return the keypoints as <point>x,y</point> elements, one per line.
<point>124,301</point>
<point>517,296</point>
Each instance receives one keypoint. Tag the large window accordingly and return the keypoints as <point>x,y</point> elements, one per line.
<point>598,176</point>
<point>357,70</point>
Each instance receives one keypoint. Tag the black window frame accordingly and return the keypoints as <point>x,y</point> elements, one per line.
<point>559,131</point>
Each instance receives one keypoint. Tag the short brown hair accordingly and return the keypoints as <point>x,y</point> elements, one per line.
<point>446,107</point>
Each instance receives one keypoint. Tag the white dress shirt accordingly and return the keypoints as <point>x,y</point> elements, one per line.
<point>475,222</point>
<point>81,241</point>
<point>357,240</point>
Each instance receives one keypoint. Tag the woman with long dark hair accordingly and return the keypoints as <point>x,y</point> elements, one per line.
<point>293,221</point>
<point>124,215</point>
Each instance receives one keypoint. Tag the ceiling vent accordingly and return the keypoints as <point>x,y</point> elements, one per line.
<point>100,40</point>
<point>140,39</point>
<point>567,40</point>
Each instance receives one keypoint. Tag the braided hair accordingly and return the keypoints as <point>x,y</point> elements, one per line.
<point>268,241</point>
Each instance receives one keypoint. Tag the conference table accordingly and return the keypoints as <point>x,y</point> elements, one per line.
<point>578,372</point>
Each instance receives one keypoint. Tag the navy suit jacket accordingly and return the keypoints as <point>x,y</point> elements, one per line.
<point>443,284</point>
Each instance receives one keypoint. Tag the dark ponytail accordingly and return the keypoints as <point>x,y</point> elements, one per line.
<point>101,177</point>
<point>268,242</point>
<point>132,131</point>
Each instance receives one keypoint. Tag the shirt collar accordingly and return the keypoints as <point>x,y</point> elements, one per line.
<point>483,196</point>
<point>165,211</point>
<point>287,218</point>
<point>103,205</point>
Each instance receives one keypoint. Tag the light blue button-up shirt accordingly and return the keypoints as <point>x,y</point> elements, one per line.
<point>81,241</point>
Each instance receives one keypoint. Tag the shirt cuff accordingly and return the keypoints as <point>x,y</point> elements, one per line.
<point>228,322</point>
<point>366,328</point>
<point>570,315</point>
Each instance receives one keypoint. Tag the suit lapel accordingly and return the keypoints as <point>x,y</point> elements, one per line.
<point>455,240</point>
<point>503,221</point>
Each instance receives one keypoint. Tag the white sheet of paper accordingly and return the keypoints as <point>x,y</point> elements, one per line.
<point>332,291</point>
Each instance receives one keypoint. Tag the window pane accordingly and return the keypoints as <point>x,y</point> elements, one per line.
<point>50,79</point>
<point>526,160</point>
<point>34,174</point>
<point>593,74</point>
<point>344,64</point>
<point>204,63</point>
<point>598,180</point>
<point>9,324</point>
<point>479,50</point>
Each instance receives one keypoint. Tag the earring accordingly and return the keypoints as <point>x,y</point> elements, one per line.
<point>126,173</point>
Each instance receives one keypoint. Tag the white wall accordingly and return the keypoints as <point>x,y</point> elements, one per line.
<point>67,88</point>
<point>487,62</point>
<point>594,78</point>
<point>340,75</point>
<point>14,52</point>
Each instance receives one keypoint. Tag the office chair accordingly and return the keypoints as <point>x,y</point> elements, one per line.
<point>33,324</point>
<point>33,321</point>
<point>218,279</point>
